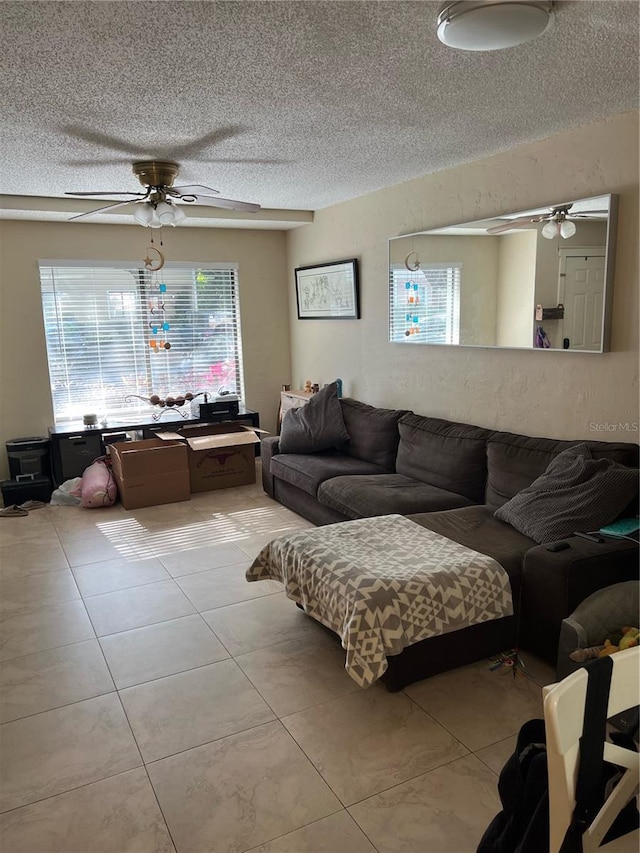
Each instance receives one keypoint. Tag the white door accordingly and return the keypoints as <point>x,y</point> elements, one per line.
<point>583,301</point>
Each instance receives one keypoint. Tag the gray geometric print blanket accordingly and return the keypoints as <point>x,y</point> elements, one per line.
<point>383,584</point>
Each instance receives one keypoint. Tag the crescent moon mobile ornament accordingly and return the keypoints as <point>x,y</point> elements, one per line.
<point>149,261</point>
<point>412,266</point>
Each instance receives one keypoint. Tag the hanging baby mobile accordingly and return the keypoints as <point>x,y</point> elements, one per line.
<point>159,326</point>
<point>158,318</point>
<point>412,319</point>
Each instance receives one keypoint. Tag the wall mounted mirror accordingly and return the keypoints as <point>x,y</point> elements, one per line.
<point>536,279</point>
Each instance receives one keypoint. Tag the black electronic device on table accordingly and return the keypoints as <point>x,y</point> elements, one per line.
<point>224,405</point>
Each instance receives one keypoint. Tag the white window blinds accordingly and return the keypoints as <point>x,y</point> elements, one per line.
<point>424,306</point>
<point>99,325</point>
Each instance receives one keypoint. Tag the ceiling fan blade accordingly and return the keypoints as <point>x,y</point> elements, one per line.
<point>195,189</point>
<point>523,222</point>
<point>585,213</point>
<point>100,209</point>
<point>228,203</point>
<point>105,192</point>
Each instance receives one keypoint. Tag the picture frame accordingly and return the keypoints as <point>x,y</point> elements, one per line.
<point>328,291</point>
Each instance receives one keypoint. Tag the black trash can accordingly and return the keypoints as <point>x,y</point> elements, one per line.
<point>29,456</point>
<point>29,469</point>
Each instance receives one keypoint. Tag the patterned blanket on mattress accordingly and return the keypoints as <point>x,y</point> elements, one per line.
<point>383,584</point>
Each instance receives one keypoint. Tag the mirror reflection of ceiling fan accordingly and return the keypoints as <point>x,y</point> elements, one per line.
<point>160,203</point>
<point>558,221</point>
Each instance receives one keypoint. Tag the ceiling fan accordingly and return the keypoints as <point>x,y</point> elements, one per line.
<point>159,203</point>
<point>558,221</point>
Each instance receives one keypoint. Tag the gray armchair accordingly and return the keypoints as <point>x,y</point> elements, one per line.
<point>599,616</point>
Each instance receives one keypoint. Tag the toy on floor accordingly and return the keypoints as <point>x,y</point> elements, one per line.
<point>511,661</point>
<point>624,639</point>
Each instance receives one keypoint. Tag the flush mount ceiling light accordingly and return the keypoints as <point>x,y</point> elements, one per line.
<point>492,24</point>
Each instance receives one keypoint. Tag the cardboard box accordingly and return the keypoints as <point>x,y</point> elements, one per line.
<point>219,455</point>
<point>150,472</point>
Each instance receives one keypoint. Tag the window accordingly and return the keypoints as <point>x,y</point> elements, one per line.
<point>424,306</point>
<point>121,302</point>
<point>98,329</point>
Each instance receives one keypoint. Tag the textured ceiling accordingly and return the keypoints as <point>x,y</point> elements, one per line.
<point>288,104</point>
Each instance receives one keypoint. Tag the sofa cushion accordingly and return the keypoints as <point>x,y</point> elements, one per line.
<point>445,454</point>
<point>373,432</point>
<point>385,494</point>
<point>307,471</point>
<point>576,492</point>
<point>477,528</point>
<point>514,461</point>
<point>316,426</point>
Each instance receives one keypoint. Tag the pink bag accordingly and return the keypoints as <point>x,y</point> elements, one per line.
<point>98,487</point>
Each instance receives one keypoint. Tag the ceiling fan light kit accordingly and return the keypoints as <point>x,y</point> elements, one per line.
<point>550,229</point>
<point>556,228</point>
<point>559,225</point>
<point>155,215</point>
<point>484,25</point>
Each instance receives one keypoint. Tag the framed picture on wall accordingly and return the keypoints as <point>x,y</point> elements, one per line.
<point>328,291</point>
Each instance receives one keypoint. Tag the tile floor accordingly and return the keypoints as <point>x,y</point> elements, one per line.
<point>152,700</point>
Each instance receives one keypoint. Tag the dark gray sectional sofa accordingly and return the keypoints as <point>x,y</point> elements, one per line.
<point>451,477</point>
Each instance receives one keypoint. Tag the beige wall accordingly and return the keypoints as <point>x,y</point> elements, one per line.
<point>516,280</point>
<point>25,399</point>
<point>536,392</point>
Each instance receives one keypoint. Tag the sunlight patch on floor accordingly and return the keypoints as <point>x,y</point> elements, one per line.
<point>129,535</point>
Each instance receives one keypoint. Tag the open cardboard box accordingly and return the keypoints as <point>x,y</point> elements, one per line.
<point>219,455</point>
<point>150,472</point>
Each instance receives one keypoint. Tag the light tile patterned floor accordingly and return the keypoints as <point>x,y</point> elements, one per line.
<point>152,700</point>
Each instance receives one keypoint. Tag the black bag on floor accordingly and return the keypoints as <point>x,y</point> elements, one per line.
<point>523,824</point>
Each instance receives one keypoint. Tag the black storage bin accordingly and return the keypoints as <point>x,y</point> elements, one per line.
<point>18,491</point>
<point>76,452</point>
<point>28,456</point>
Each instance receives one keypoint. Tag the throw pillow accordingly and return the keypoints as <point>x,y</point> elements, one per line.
<point>575,493</point>
<point>373,432</point>
<point>316,426</point>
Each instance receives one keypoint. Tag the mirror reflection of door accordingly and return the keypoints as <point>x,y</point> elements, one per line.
<point>581,291</point>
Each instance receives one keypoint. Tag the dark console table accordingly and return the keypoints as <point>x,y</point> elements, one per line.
<point>75,446</point>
